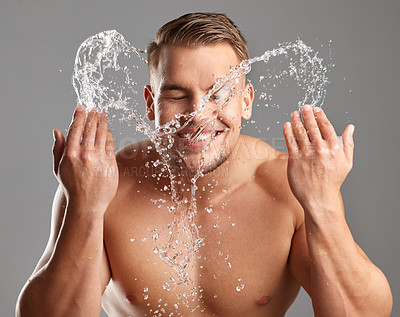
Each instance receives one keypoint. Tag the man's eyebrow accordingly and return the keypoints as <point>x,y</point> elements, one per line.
<point>168,87</point>
<point>171,87</point>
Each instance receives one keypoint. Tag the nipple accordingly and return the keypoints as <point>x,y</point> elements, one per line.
<point>131,299</point>
<point>264,300</point>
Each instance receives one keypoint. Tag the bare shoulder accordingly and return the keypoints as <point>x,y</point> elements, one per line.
<point>262,155</point>
<point>132,160</point>
<point>270,171</point>
<point>135,154</point>
<point>134,172</point>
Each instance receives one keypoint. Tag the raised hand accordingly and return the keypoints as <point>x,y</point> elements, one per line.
<point>318,164</point>
<point>85,163</point>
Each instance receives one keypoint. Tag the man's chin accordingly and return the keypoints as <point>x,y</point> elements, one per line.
<point>208,166</point>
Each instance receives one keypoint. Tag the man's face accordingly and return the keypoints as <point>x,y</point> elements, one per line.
<point>181,79</point>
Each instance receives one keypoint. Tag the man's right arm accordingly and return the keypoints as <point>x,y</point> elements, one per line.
<point>73,271</point>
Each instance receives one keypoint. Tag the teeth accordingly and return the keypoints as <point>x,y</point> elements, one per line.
<point>200,137</point>
<point>203,137</point>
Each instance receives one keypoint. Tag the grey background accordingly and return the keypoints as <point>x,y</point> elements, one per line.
<point>38,42</point>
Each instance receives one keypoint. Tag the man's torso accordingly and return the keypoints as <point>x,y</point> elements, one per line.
<point>242,267</point>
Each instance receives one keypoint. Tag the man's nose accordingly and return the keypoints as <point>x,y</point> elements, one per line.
<point>194,103</point>
<point>199,102</point>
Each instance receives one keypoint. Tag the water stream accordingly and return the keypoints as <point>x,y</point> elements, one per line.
<point>104,76</point>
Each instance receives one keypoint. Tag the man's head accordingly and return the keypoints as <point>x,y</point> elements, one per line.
<point>195,30</point>
<point>185,58</point>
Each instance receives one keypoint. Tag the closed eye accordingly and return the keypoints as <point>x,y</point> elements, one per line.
<point>221,93</point>
<point>178,98</point>
<point>217,96</point>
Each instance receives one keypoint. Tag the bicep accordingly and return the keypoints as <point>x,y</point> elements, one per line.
<point>105,270</point>
<point>57,217</point>
<point>299,260</point>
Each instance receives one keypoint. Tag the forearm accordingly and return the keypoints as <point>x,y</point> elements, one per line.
<point>344,282</point>
<point>69,284</point>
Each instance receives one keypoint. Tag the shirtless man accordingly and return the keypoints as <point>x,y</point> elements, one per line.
<point>277,223</point>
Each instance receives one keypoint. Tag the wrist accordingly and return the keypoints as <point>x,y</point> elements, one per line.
<point>325,213</point>
<point>328,202</point>
<point>91,208</point>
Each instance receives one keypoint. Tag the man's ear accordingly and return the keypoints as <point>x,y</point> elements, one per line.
<point>149,98</point>
<point>247,102</point>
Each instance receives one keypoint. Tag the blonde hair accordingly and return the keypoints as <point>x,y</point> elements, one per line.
<point>196,29</point>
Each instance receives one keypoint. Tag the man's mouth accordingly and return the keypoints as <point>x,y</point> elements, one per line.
<point>200,137</point>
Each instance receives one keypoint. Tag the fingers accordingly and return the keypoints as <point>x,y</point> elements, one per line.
<point>58,149</point>
<point>315,129</point>
<point>299,130</point>
<point>291,143</point>
<point>325,127</point>
<point>109,144</point>
<point>89,131</point>
<point>94,133</point>
<point>76,127</point>
<point>310,123</point>
<point>348,142</point>
<point>316,126</point>
<point>101,133</point>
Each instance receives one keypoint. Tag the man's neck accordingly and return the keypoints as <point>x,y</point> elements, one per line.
<point>232,173</point>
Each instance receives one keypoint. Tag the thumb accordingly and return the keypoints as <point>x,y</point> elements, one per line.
<point>348,142</point>
<point>58,149</point>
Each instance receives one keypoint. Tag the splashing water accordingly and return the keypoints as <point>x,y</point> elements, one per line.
<point>103,77</point>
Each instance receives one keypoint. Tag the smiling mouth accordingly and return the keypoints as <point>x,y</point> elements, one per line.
<point>199,137</point>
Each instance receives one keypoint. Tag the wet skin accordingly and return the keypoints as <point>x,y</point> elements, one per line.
<point>248,236</point>
<point>263,204</point>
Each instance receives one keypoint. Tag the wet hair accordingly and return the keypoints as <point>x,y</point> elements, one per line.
<point>197,29</point>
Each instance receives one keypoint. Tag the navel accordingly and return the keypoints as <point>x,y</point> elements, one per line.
<point>264,300</point>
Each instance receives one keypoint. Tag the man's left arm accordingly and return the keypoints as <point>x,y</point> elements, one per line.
<point>333,269</point>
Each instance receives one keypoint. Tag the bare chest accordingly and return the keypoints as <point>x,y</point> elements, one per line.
<point>239,267</point>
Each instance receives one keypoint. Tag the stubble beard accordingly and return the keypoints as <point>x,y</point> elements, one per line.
<point>210,163</point>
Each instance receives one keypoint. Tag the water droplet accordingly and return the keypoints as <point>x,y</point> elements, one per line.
<point>239,287</point>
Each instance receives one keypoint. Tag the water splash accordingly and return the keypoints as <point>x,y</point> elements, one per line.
<point>104,75</point>
<point>239,287</point>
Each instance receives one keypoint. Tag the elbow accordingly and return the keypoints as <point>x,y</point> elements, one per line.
<point>380,300</point>
<point>382,296</point>
<point>32,301</point>
<point>387,299</point>
<point>38,299</point>
<point>25,305</point>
